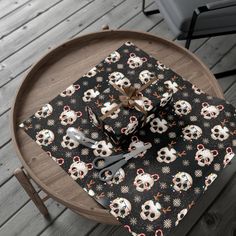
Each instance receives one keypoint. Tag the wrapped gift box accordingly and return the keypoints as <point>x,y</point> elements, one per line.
<point>118,119</point>
<point>129,94</point>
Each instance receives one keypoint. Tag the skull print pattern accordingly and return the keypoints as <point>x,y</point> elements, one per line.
<point>191,136</point>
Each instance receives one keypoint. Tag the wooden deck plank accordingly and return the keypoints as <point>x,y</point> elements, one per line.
<point>24,35</point>
<point>220,218</point>
<point>8,163</point>
<point>228,62</point>
<point>117,17</point>
<point>230,94</point>
<point>215,48</point>
<point>69,223</point>
<point>24,14</point>
<point>142,22</point>
<point>7,7</point>
<point>5,129</point>
<point>19,62</point>
<point>29,221</point>
<point>104,230</point>
<point>12,198</point>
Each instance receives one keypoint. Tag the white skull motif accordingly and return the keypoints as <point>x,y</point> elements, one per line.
<point>44,111</point>
<point>91,73</point>
<point>191,132</point>
<point>92,117</point>
<point>166,97</point>
<point>79,169</point>
<point>59,161</point>
<point>197,90</point>
<point>119,79</point>
<point>149,118</point>
<point>89,191</point>
<point>182,108</point>
<point>145,103</point>
<point>103,149</point>
<point>135,61</point>
<point>228,156</point>
<point>117,178</point>
<point>181,215</point>
<point>172,86</point>
<point>166,155</point>
<point>129,43</point>
<point>158,125</point>
<point>209,180</point>
<point>144,181</point>
<point>69,116</point>
<point>145,76</point>
<point>130,128</point>
<point>150,211</point>
<point>107,107</point>
<point>89,95</point>
<point>120,207</point>
<point>210,111</point>
<point>161,66</point>
<point>44,137</point>
<point>113,57</point>
<point>136,143</point>
<point>69,143</point>
<point>182,181</point>
<point>219,133</point>
<point>204,156</point>
<point>70,90</point>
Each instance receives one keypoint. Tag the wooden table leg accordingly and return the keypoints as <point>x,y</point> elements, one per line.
<point>28,187</point>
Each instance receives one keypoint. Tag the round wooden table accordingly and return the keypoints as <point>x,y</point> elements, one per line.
<point>56,71</point>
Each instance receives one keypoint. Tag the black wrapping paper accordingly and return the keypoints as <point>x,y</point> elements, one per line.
<point>192,138</point>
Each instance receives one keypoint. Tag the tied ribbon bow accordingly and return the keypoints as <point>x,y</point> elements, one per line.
<point>129,98</point>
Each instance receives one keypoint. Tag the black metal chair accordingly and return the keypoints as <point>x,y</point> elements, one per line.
<point>193,19</point>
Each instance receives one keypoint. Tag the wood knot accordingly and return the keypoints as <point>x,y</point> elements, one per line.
<point>210,219</point>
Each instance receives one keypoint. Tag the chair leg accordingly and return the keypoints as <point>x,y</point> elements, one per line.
<point>225,73</point>
<point>148,13</point>
<point>188,42</point>
<point>28,187</point>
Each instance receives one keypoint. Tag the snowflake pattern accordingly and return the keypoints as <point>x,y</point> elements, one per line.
<point>185,162</point>
<point>159,172</point>
<point>167,198</point>
<point>137,199</point>
<point>133,221</point>
<point>131,165</point>
<point>163,185</point>
<point>165,169</point>
<point>99,187</point>
<point>146,162</point>
<point>85,151</point>
<point>68,154</point>
<point>110,194</point>
<point>124,189</point>
<point>198,173</point>
<point>176,202</point>
<point>149,228</point>
<point>217,167</point>
<point>54,148</point>
<point>167,223</point>
<point>197,190</point>
<point>189,147</point>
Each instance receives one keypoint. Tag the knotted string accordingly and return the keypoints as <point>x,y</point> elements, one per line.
<point>128,98</point>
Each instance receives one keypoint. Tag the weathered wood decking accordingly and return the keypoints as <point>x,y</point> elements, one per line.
<point>28,29</point>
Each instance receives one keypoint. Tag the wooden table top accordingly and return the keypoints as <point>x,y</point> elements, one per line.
<point>60,68</point>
